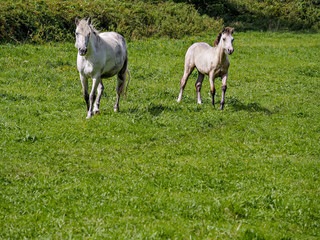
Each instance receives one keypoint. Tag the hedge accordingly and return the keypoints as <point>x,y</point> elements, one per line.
<point>53,20</point>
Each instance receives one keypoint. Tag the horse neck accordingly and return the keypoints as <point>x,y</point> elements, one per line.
<point>92,44</point>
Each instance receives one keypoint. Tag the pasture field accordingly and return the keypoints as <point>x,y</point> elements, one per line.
<point>159,169</point>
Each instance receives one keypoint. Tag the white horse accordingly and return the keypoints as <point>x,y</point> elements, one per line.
<point>212,61</point>
<point>100,55</point>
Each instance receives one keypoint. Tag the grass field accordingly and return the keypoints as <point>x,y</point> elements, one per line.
<point>159,169</point>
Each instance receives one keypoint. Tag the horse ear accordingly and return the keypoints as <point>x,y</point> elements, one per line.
<point>223,30</point>
<point>77,21</point>
<point>89,21</point>
<point>232,30</point>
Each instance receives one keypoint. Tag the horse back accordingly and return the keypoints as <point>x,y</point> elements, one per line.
<point>115,49</point>
<point>114,40</point>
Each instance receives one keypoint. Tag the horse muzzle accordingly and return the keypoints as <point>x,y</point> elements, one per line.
<point>83,51</point>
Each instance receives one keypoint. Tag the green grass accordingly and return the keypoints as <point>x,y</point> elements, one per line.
<point>159,169</point>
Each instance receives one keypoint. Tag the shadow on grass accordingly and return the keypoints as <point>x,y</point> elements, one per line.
<point>237,105</point>
<point>155,109</point>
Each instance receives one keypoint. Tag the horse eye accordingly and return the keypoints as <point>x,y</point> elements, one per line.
<point>223,39</point>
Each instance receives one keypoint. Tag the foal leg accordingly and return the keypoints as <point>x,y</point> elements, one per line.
<point>212,88</point>
<point>120,86</point>
<point>224,89</point>
<point>92,97</point>
<point>84,83</point>
<point>184,79</point>
<point>198,86</point>
<point>97,102</point>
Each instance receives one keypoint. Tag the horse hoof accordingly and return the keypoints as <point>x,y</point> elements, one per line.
<point>89,115</point>
<point>96,112</point>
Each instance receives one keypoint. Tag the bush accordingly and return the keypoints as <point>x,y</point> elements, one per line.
<point>263,14</point>
<point>53,20</point>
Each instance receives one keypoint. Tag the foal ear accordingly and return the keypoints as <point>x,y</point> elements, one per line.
<point>77,20</point>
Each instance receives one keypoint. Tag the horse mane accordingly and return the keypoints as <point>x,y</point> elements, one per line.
<point>227,30</point>
<point>95,32</point>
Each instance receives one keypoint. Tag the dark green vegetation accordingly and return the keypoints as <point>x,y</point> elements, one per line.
<point>39,21</point>
<point>159,169</point>
<point>263,14</point>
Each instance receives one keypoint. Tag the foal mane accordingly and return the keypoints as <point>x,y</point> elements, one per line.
<point>227,30</point>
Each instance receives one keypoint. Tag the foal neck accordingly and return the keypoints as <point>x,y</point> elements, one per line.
<point>221,53</point>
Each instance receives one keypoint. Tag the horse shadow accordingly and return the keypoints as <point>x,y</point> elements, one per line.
<point>157,109</point>
<point>154,109</point>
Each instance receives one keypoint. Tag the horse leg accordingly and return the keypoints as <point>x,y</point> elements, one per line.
<point>97,102</point>
<point>184,79</point>
<point>122,76</point>
<point>92,97</point>
<point>224,89</point>
<point>84,83</point>
<point>212,88</point>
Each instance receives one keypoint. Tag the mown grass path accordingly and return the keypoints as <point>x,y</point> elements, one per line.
<point>159,169</point>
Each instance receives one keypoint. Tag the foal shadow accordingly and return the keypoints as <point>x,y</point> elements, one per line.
<point>237,105</point>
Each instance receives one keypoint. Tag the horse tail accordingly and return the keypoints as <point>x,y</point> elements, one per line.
<point>129,77</point>
<point>124,86</point>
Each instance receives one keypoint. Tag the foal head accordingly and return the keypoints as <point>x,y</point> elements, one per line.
<point>225,38</point>
<point>83,31</point>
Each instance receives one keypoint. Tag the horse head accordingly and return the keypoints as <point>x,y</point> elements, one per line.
<point>83,31</point>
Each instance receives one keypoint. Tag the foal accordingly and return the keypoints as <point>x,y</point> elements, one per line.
<point>212,61</point>
<point>100,55</point>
